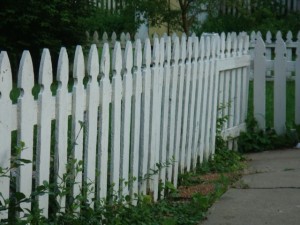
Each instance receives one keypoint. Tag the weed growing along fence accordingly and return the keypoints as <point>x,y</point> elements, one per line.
<point>276,62</point>
<point>151,105</point>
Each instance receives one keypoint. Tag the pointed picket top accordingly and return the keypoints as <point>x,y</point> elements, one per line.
<point>175,52</point>
<point>25,74</point>
<point>269,37</point>
<point>280,47</point>
<point>93,63</point>
<point>128,37</point>
<point>228,45</point>
<point>138,54</point>
<point>289,37</point>
<point>174,35</point>
<point>258,34</point>
<point>123,40</point>
<point>189,48</point>
<point>105,61</point>
<point>240,45</point>
<point>136,36</point>
<point>246,44</point>
<point>113,38</point>
<point>222,45</point>
<point>168,51</point>
<point>278,35</point>
<point>252,37</point>
<point>78,68</point>
<point>155,54</point>
<point>105,37</point>
<point>95,37</point>
<point>117,59</point>
<point>234,44</point>
<point>217,40</point>
<point>147,53</point>
<point>128,60</point>
<point>163,51</point>
<point>195,53</point>
<point>155,35</point>
<point>260,46</point>
<point>63,67</point>
<point>202,47</point>
<point>45,71</point>
<point>183,48</point>
<point>5,76</point>
<point>213,46</point>
<point>208,47</point>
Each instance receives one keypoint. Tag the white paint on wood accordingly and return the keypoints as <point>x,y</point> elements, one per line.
<point>177,70</point>
<point>145,117</point>
<point>44,128</point>
<point>126,119</point>
<point>61,126</point>
<point>25,126</point>
<point>105,99</point>
<point>5,125</point>
<point>116,118</point>
<point>280,86</point>
<point>259,86</point>
<point>136,116</point>
<point>92,99</point>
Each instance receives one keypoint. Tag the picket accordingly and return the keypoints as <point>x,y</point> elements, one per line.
<point>126,120</point>
<point>193,47</point>
<point>26,114</point>
<point>105,100</point>
<point>280,86</point>
<point>61,126</point>
<point>5,126</point>
<point>177,70</point>
<point>159,104</point>
<point>92,100</point>
<point>136,115</point>
<point>116,119</point>
<point>44,128</point>
<point>165,76</point>
<point>186,90</point>
<point>145,117</point>
<point>78,115</point>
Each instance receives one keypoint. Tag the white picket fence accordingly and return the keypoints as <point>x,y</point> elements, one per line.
<point>276,61</point>
<point>150,105</point>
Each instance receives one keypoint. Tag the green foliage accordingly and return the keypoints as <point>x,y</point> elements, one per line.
<point>256,140</point>
<point>266,15</point>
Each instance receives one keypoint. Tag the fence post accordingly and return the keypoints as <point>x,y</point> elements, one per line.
<point>280,85</point>
<point>259,86</point>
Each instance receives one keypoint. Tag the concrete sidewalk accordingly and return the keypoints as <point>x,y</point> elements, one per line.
<point>268,193</point>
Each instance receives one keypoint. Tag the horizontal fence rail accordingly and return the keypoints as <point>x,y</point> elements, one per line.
<point>277,61</point>
<point>141,106</point>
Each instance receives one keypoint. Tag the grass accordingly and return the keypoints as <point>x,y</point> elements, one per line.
<point>290,103</point>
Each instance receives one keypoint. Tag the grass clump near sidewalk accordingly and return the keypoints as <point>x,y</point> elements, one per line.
<point>255,139</point>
